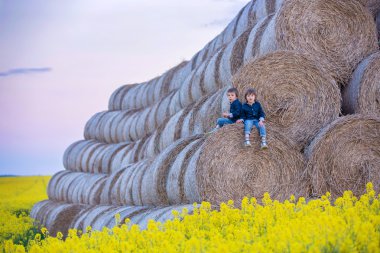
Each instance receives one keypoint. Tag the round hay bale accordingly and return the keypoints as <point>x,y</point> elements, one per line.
<point>137,184</point>
<point>96,164</point>
<point>203,112</point>
<point>92,189</point>
<point>129,155</point>
<point>196,88</point>
<point>55,216</point>
<point>106,131</point>
<point>68,156</point>
<point>91,215</point>
<point>228,32</point>
<point>243,23</point>
<point>211,76</point>
<point>263,8</point>
<point>345,155</point>
<point>227,170</point>
<point>168,133</point>
<point>106,165</point>
<point>116,93</point>
<point>153,188</point>
<point>174,185</point>
<point>129,176</point>
<point>117,159</point>
<point>93,162</point>
<point>55,179</point>
<point>116,98</point>
<point>106,194</point>
<point>125,213</point>
<point>185,97</point>
<point>362,94</point>
<point>76,166</point>
<point>37,214</point>
<point>211,111</point>
<point>296,94</point>
<point>77,187</point>
<point>254,39</point>
<point>338,34</point>
<point>85,158</point>
<point>190,180</point>
<point>175,104</point>
<point>180,75</point>
<point>154,215</point>
<point>232,58</point>
<point>186,129</point>
<point>162,113</point>
<point>102,220</point>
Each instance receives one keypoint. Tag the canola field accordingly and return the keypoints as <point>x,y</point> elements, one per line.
<point>350,224</point>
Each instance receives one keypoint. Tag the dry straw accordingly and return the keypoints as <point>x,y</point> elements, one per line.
<point>336,33</point>
<point>297,95</point>
<point>362,94</point>
<point>372,5</point>
<point>345,155</point>
<point>228,170</point>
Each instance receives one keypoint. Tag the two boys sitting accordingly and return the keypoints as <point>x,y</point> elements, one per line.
<point>250,113</point>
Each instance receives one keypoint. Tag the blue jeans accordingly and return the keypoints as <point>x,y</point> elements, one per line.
<point>224,121</point>
<point>248,125</point>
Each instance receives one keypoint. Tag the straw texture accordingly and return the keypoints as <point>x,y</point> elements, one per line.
<point>345,155</point>
<point>297,95</point>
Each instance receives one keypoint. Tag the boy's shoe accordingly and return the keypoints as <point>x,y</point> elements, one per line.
<point>264,145</point>
<point>247,144</point>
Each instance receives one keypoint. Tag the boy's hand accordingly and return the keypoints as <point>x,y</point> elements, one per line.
<point>239,121</point>
<point>225,114</point>
<point>261,123</point>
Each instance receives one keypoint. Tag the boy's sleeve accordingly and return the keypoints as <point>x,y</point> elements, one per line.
<point>235,111</point>
<point>261,113</point>
<point>242,114</point>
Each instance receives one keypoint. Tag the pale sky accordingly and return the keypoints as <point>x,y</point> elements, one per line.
<point>60,61</point>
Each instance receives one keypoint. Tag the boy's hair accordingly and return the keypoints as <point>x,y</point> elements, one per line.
<point>233,90</point>
<point>250,91</point>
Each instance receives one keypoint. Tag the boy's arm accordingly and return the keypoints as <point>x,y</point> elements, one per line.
<point>242,114</point>
<point>261,113</point>
<point>235,110</point>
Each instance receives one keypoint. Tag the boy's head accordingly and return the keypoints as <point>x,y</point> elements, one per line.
<point>232,94</point>
<point>250,95</point>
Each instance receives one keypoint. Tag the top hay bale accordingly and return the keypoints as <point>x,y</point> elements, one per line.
<point>297,95</point>
<point>338,34</point>
<point>345,155</point>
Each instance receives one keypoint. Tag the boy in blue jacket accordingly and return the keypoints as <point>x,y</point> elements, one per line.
<point>252,114</point>
<point>235,109</point>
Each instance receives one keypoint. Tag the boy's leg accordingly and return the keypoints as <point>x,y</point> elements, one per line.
<point>263,134</point>
<point>219,123</point>
<point>223,121</point>
<point>248,124</point>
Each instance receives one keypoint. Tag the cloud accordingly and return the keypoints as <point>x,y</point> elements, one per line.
<point>24,71</point>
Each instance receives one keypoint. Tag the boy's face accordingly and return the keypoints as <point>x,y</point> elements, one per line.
<point>231,96</point>
<point>250,98</point>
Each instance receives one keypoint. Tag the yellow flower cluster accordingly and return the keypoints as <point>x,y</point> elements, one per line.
<point>17,196</point>
<point>348,225</point>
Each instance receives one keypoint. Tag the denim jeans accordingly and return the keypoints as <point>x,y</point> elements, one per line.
<point>248,125</point>
<point>224,121</point>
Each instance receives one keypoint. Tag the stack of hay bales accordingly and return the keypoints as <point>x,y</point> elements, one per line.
<point>148,155</point>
